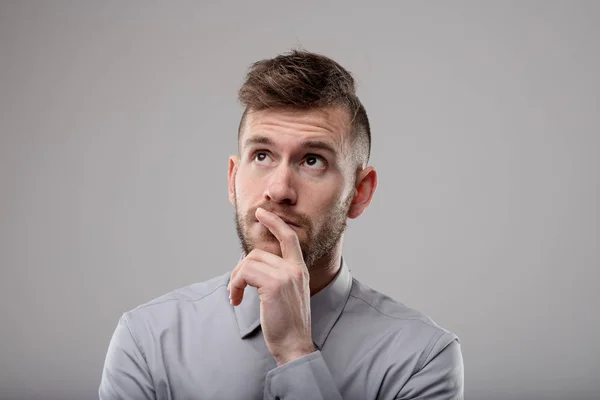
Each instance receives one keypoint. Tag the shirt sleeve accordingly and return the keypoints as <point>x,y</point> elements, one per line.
<point>307,377</point>
<point>442,374</point>
<point>125,375</point>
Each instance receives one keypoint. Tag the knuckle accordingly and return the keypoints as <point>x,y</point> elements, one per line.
<point>256,254</point>
<point>235,278</point>
<point>249,264</point>
<point>297,273</point>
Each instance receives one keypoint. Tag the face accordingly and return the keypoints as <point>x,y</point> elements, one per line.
<point>295,164</point>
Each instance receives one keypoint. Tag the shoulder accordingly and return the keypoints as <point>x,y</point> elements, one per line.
<point>407,328</point>
<point>389,308</point>
<point>190,293</point>
<point>170,308</point>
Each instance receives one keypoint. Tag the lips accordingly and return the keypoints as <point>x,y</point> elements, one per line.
<point>286,220</point>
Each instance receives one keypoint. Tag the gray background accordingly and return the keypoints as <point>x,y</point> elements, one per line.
<point>117,119</point>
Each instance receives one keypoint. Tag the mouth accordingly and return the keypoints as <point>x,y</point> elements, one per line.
<point>287,221</point>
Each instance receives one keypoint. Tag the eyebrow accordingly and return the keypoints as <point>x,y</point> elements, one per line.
<point>312,144</point>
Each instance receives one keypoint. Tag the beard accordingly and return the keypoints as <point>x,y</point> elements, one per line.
<point>317,243</point>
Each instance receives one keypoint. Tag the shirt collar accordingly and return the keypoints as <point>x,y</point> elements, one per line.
<point>326,307</point>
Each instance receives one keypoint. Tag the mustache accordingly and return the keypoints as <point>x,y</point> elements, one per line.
<point>293,217</point>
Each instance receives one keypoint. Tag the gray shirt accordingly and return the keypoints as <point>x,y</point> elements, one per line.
<point>193,344</point>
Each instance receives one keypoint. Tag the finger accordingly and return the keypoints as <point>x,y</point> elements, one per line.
<point>258,255</point>
<point>254,273</point>
<point>235,271</point>
<point>288,239</point>
<point>266,257</point>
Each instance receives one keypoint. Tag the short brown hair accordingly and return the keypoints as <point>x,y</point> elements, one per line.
<point>305,80</point>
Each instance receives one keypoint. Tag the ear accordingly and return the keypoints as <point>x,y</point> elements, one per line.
<point>366,183</point>
<point>232,171</point>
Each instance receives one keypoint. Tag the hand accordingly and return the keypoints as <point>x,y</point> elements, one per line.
<point>283,288</point>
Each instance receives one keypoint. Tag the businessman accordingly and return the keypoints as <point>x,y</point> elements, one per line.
<point>289,321</point>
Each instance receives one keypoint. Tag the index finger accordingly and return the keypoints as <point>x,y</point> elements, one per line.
<point>288,239</point>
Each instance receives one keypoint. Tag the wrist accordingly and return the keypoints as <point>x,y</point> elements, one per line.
<point>286,357</point>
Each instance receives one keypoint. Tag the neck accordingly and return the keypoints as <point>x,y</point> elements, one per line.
<point>325,269</point>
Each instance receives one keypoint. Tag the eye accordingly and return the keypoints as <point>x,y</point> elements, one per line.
<point>260,157</point>
<point>315,162</point>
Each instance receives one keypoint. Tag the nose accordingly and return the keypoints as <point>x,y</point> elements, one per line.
<point>280,188</point>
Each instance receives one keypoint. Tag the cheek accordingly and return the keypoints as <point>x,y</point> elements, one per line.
<point>248,192</point>
<point>245,185</point>
<point>323,202</point>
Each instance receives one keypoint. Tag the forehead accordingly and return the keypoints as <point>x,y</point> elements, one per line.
<point>290,126</point>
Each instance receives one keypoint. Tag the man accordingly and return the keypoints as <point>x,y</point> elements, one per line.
<point>288,322</point>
